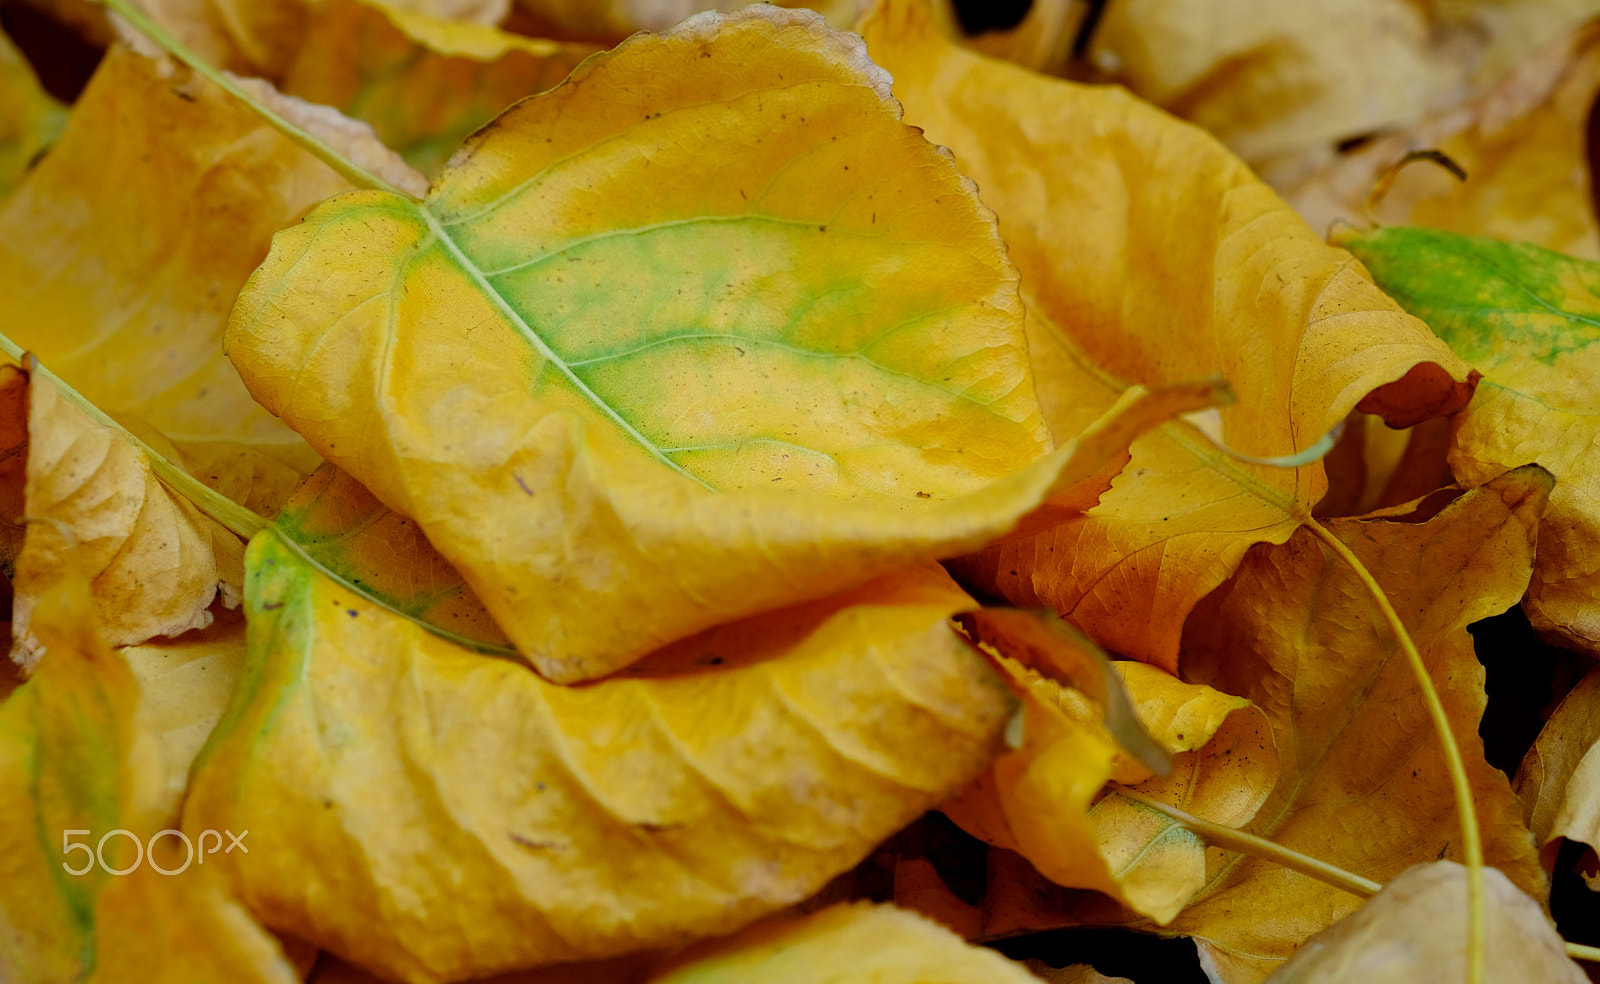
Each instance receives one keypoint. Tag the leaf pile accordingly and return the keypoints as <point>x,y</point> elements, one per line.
<point>556,494</point>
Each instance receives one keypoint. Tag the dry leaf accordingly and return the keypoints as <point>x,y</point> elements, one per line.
<point>423,84</point>
<point>121,253</point>
<point>1282,84</point>
<point>1524,316</point>
<point>1363,783</point>
<point>1558,781</point>
<point>155,561</point>
<point>1415,932</point>
<point>845,944</point>
<point>1149,253</point>
<point>609,21</point>
<point>372,761</point>
<point>78,761</point>
<point>554,365</point>
<point>1521,144</point>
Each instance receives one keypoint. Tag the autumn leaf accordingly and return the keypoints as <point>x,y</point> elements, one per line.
<point>609,21</point>
<point>1045,798</point>
<point>842,945</point>
<point>1149,254</point>
<point>1557,781</point>
<point>1403,935</point>
<point>1521,146</point>
<point>423,84</point>
<point>683,804</point>
<point>78,761</point>
<point>1282,84</point>
<point>1363,784</point>
<point>854,412</point>
<point>1524,316</point>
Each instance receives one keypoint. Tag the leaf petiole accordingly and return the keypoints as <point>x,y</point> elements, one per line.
<point>1472,840</point>
<point>346,169</point>
<point>1234,839</point>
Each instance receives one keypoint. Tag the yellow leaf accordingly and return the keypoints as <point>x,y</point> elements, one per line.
<point>846,944</point>
<point>423,84</point>
<point>433,815</point>
<point>1363,783</point>
<point>609,21</point>
<point>155,562</point>
<point>184,685</point>
<point>1521,145</point>
<point>78,762</point>
<point>1415,930</point>
<point>1148,253</point>
<point>1558,781</point>
<point>338,526</point>
<point>29,119</point>
<point>747,276</point>
<point>121,253</point>
<point>1045,799</point>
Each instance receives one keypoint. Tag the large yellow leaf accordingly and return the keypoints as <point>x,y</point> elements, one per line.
<point>1521,144</point>
<point>1363,782</point>
<point>1148,254</point>
<point>845,944</point>
<point>121,253</point>
<point>423,84</point>
<point>434,814</point>
<point>748,276</point>
<point>1415,930</point>
<point>77,762</point>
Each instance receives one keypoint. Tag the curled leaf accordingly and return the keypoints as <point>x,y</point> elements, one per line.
<point>29,119</point>
<point>1415,930</point>
<point>734,774</point>
<point>1524,316</point>
<point>1148,254</point>
<point>1558,781</point>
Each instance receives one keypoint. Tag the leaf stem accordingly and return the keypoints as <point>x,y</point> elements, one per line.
<point>350,171</point>
<point>1472,841</point>
<point>1578,951</point>
<point>230,514</point>
<point>1234,839</point>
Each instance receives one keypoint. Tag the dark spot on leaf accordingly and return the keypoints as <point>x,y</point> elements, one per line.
<point>522,485</point>
<point>352,612</point>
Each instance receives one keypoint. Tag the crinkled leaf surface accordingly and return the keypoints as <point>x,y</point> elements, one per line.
<point>1416,930</point>
<point>1558,781</point>
<point>846,944</point>
<point>1363,782</point>
<point>156,562</point>
<point>410,801</point>
<point>1045,799</point>
<point>30,119</point>
<point>1281,84</point>
<point>746,275</point>
<point>1525,316</point>
<point>423,84</point>
<point>1149,253</point>
<point>76,754</point>
<point>1521,143</point>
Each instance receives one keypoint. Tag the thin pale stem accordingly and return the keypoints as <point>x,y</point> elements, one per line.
<point>1471,839</point>
<point>219,507</point>
<point>1234,839</point>
<point>1578,951</point>
<point>351,172</point>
